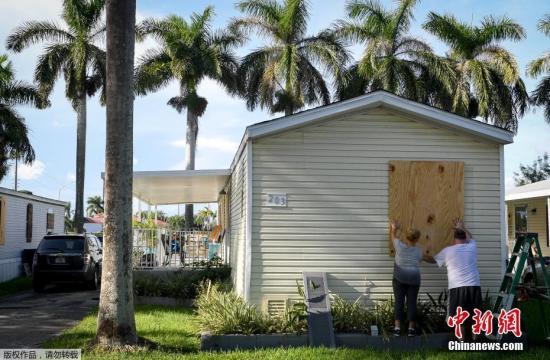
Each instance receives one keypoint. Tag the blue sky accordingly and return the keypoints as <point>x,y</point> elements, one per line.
<point>159,130</point>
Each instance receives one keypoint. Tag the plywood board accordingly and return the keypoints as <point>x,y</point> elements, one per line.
<point>427,195</point>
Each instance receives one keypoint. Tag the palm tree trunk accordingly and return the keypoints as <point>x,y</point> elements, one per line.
<point>80,162</point>
<point>116,323</point>
<point>190,149</point>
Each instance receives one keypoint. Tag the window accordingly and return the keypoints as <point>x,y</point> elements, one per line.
<point>521,218</point>
<point>50,221</point>
<point>2,220</point>
<point>29,223</point>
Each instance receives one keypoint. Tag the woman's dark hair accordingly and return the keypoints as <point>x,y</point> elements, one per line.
<point>460,234</point>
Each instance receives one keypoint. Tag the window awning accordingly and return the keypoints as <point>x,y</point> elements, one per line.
<point>179,186</point>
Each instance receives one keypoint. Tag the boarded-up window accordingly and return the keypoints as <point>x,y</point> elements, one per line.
<point>50,221</point>
<point>3,215</point>
<point>29,223</point>
<point>427,195</point>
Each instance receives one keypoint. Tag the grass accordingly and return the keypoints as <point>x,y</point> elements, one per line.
<point>15,285</point>
<point>175,331</point>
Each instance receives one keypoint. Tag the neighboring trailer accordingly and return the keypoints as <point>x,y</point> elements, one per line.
<point>309,192</point>
<point>527,208</point>
<point>24,220</point>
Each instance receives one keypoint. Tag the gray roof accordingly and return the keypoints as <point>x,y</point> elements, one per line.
<point>538,189</point>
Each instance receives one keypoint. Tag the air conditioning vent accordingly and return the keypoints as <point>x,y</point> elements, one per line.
<point>276,306</point>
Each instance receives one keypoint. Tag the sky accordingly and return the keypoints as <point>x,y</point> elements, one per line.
<point>159,131</point>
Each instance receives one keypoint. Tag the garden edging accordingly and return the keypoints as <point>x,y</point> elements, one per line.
<point>209,342</point>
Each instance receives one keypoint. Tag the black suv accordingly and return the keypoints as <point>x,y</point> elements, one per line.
<point>67,258</point>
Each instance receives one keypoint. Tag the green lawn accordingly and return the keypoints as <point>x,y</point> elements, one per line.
<point>176,333</point>
<point>15,285</point>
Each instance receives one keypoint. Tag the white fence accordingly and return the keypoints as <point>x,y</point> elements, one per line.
<point>163,248</point>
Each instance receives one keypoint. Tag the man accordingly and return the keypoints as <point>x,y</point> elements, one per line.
<point>462,273</point>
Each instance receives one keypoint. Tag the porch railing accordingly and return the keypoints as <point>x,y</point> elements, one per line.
<point>165,248</point>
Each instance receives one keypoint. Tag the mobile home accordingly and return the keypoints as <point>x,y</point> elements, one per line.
<point>527,209</point>
<point>314,191</point>
<point>24,220</point>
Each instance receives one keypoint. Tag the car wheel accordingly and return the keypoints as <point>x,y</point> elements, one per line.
<point>95,282</point>
<point>38,285</point>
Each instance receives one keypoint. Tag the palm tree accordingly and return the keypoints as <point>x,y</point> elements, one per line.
<point>487,75</point>
<point>71,51</point>
<point>541,95</point>
<point>205,218</point>
<point>14,141</point>
<point>287,73</point>
<point>392,60</point>
<point>116,325</point>
<point>95,205</point>
<point>189,52</point>
<point>69,218</point>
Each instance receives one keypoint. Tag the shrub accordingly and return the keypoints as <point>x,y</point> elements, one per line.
<point>221,312</point>
<point>182,284</point>
<point>350,316</point>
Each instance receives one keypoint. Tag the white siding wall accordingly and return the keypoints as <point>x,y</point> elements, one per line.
<point>536,222</point>
<point>237,205</point>
<point>336,176</point>
<point>16,222</point>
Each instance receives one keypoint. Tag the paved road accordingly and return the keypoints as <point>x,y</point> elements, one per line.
<point>28,319</point>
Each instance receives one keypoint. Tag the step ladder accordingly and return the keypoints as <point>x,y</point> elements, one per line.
<point>521,254</point>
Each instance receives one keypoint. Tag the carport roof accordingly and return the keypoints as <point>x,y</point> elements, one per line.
<point>179,186</point>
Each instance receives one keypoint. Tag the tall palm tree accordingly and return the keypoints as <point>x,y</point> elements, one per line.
<point>14,141</point>
<point>392,60</point>
<point>289,71</point>
<point>116,326</point>
<point>95,205</point>
<point>487,75</point>
<point>70,51</point>
<point>541,95</point>
<point>189,52</point>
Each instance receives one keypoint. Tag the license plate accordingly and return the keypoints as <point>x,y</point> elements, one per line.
<point>60,260</point>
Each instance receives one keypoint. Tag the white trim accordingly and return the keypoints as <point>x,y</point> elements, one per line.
<point>23,195</point>
<point>382,98</point>
<point>528,195</point>
<point>248,238</point>
<point>503,216</point>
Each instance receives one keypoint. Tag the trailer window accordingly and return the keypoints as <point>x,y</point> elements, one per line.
<point>521,218</point>
<point>2,220</point>
<point>50,221</point>
<point>29,223</point>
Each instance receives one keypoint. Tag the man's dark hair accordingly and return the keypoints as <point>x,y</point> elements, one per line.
<point>460,234</point>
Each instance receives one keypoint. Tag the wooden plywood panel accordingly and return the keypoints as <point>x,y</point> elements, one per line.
<point>427,195</point>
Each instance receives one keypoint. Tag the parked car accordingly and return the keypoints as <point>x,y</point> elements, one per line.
<point>60,258</point>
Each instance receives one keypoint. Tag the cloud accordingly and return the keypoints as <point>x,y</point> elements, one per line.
<point>30,172</point>
<point>212,143</point>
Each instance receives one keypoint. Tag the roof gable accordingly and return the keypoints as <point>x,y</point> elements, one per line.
<point>386,99</point>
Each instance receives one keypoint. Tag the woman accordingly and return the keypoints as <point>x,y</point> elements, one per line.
<point>406,276</point>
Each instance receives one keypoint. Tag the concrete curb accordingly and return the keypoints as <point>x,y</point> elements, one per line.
<point>163,301</point>
<point>211,342</point>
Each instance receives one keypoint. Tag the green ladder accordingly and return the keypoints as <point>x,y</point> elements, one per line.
<point>522,253</point>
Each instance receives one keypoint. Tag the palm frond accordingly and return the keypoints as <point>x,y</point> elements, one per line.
<point>498,29</point>
<point>153,71</point>
<point>33,32</point>
<point>544,25</point>
<point>50,66</point>
<point>539,66</point>
<point>20,93</point>
<point>541,96</point>
<point>293,22</point>
<point>269,11</point>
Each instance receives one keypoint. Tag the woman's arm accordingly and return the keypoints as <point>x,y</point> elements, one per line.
<point>394,226</point>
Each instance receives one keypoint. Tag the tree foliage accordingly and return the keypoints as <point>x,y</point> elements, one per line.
<point>14,140</point>
<point>487,82</point>
<point>290,70</point>
<point>393,60</point>
<point>541,66</point>
<point>539,170</point>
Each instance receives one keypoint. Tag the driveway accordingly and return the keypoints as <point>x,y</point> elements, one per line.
<point>28,319</point>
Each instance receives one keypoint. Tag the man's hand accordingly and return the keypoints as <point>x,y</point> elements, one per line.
<point>458,224</point>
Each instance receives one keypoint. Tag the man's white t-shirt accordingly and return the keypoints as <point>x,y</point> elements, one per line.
<point>461,263</point>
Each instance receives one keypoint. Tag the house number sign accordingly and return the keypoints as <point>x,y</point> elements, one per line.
<point>275,200</point>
